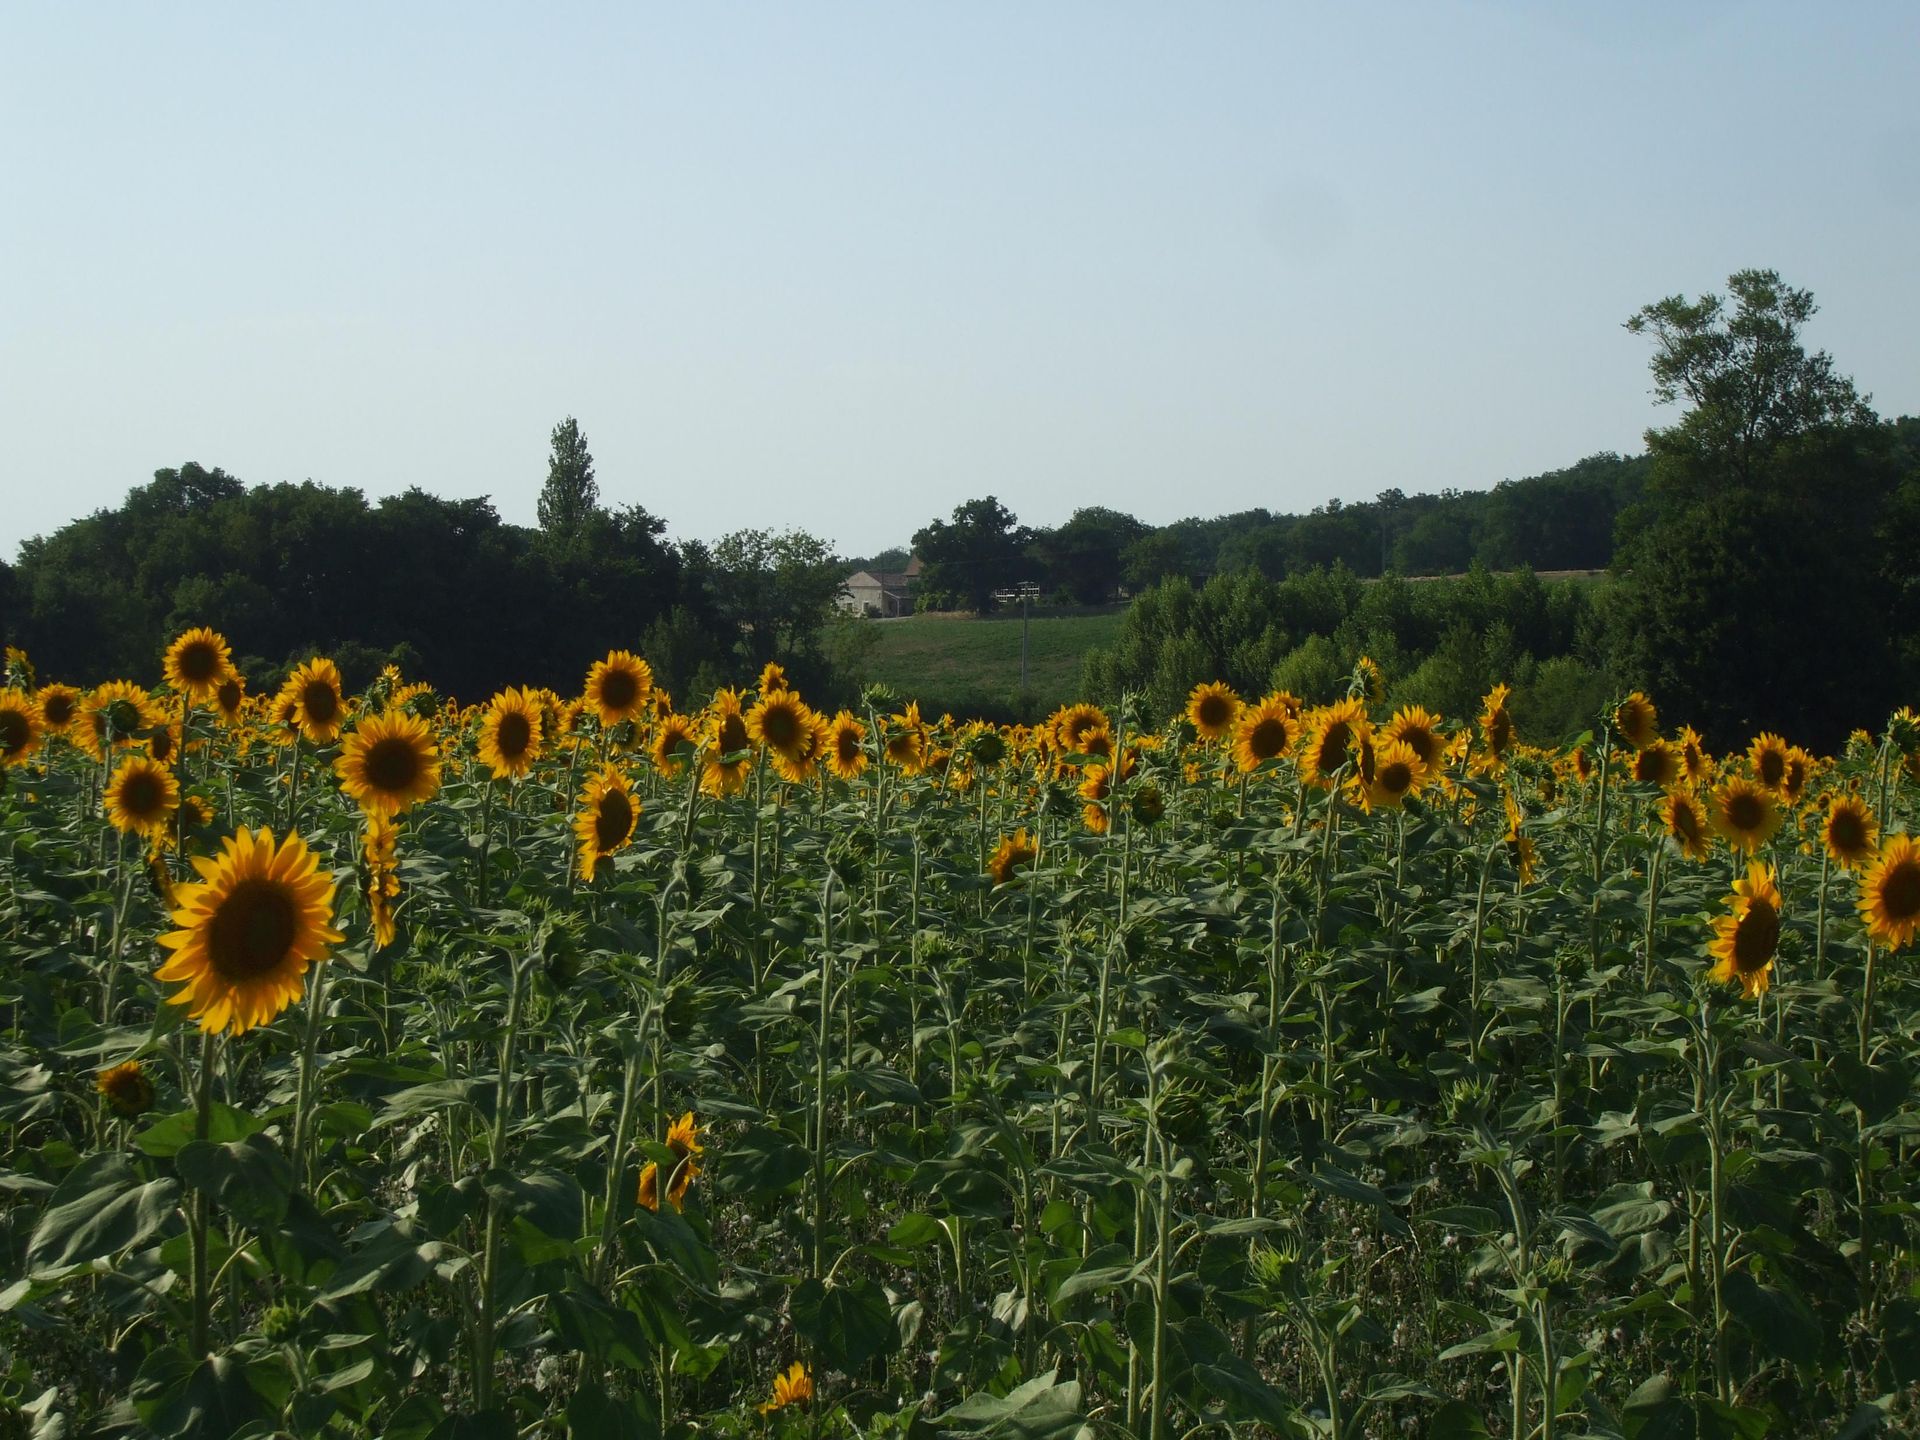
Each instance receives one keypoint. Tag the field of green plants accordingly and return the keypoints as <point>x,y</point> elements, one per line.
<point>583,1066</point>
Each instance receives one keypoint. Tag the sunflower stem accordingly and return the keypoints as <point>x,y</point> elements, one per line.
<point>303,1105</point>
<point>197,1209</point>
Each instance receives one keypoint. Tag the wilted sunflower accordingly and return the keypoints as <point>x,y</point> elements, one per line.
<point>1636,720</point>
<point>510,734</point>
<point>729,746</point>
<point>197,662</point>
<point>793,1387</point>
<point>1693,755</point>
<point>1745,814</point>
<point>248,931</point>
<point>1398,771</point>
<point>19,727</point>
<point>1496,724</point>
<point>378,844</point>
<point>1746,937</point>
<point>1263,732</point>
<point>1768,756</point>
<point>779,722</point>
<point>1212,708</point>
<point>126,1087</point>
<point>675,741</point>
<point>1657,763</point>
<point>389,763</point>
<point>1686,824</point>
<point>1016,852</point>
<point>230,699</point>
<point>1419,730</point>
<point>617,687</point>
<point>59,707</point>
<point>1332,732</point>
<point>1849,832</point>
<point>141,797</point>
<point>606,819</point>
<point>1890,893</point>
<point>318,709</point>
<point>846,747</point>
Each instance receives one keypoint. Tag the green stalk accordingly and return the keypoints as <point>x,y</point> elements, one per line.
<point>197,1208</point>
<point>490,1245</point>
<point>309,1047</point>
<point>820,1078</point>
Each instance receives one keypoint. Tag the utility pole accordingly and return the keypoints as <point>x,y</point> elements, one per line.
<point>1027,588</point>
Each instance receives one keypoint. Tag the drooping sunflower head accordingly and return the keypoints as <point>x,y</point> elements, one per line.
<point>1746,937</point>
<point>729,746</point>
<point>118,709</point>
<point>389,763</point>
<point>1418,729</point>
<point>1636,720</point>
<point>617,687</point>
<point>1768,756</point>
<point>1745,814</point>
<point>846,746</point>
<point>126,1087</point>
<point>197,662</point>
<point>19,727</point>
<point>606,820</point>
<point>1686,825</point>
<point>1657,763</point>
<point>142,797</point>
<point>1334,732</point>
<point>511,732</point>
<point>1212,708</point>
<point>319,707</point>
<point>1890,893</point>
<point>260,916</point>
<point>779,722</point>
<point>1850,832</point>
<point>1793,784</point>
<point>1398,771</point>
<point>675,741</point>
<point>1496,724</point>
<point>1693,754</point>
<point>1369,682</point>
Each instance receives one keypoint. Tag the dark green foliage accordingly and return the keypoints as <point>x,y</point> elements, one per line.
<point>965,561</point>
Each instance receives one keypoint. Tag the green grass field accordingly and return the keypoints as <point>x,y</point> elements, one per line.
<point>972,667</point>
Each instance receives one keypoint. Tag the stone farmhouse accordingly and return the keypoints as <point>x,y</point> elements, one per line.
<point>883,595</point>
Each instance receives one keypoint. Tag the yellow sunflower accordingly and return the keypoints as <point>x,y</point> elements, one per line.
<point>1521,851</point>
<point>1263,732</point>
<point>59,707</point>
<point>1073,723</point>
<point>779,722</point>
<point>675,740</point>
<point>1693,755</point>
<point>1332,732</point>
<point>230,699</point>
<point>126,1087</point>
<point>1793,785</point>
<point>118,707</point>
<point>197,662</point>
<point>260,915</point>
<point>379,845</point>
<point>847,747</point>
<point>19,727</point>
<point>1213,707</point>
<point>1398,771</point>
<point>141,797</point>
<point>773,677</point>
<point>1746,937</point>
<point>1686,825</point>
<point>793,1387</point>
<point>1496,724</point>
<point>1768,756</point>
<point>1850,832</point>
<point>729,746</point>
<point>1890,893</point>
<point>389,763</point>
<point>799,766</point>
<point>1657,763</point>
<point>906,745</point>
<point>1745,814</point>
<point>1096,785</point>
<point>1419,730</point>
<point>318,708</point>
<point>606,819</point>
<point>1016,852</point>
<point>1636,720</point>
<point>617,687</point>
<point>511,730</point>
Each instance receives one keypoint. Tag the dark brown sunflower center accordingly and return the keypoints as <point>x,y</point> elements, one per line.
<point>1755,937</point>
<point>199,662</point>
<point>619,689</point>
<point>1422,742</point>
<point>733,735</point>
<point>1900,891</point>
<point>142,796</point>
<point>781,725</point>
<point>1686,825</point>
<point>846,746</point>
<point>1773,765</point>
<point>227,697</point>
<point>14,731</point>
<point>392,765</point>
<point>1846,831</point>
<point>252,931</point>
<point>1215,711</point>
<point>1651,766</point>
<point>320,702</point>
<point>514,736</point>
<point>58,709</point>
<point>1395,777</point>
<point>1499,732</point>
<point>161,745</point>
<point>612,820</point>
<point>1745,811</point>
<point>1333,747</point>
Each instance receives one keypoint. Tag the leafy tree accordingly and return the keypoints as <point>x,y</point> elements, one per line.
<point>774,592</point>
<point>1082,559</point>
<point>571,495</point>
<point>979,552</point>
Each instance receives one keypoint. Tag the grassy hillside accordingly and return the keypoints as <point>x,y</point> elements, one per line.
<point>972,667</point>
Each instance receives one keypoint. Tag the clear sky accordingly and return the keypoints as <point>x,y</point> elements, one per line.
<point>843,267</point>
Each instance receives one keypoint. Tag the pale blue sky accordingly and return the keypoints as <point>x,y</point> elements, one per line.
<point>846,266</point>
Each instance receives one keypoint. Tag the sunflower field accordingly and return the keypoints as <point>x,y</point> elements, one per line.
<point>380,1065</point>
